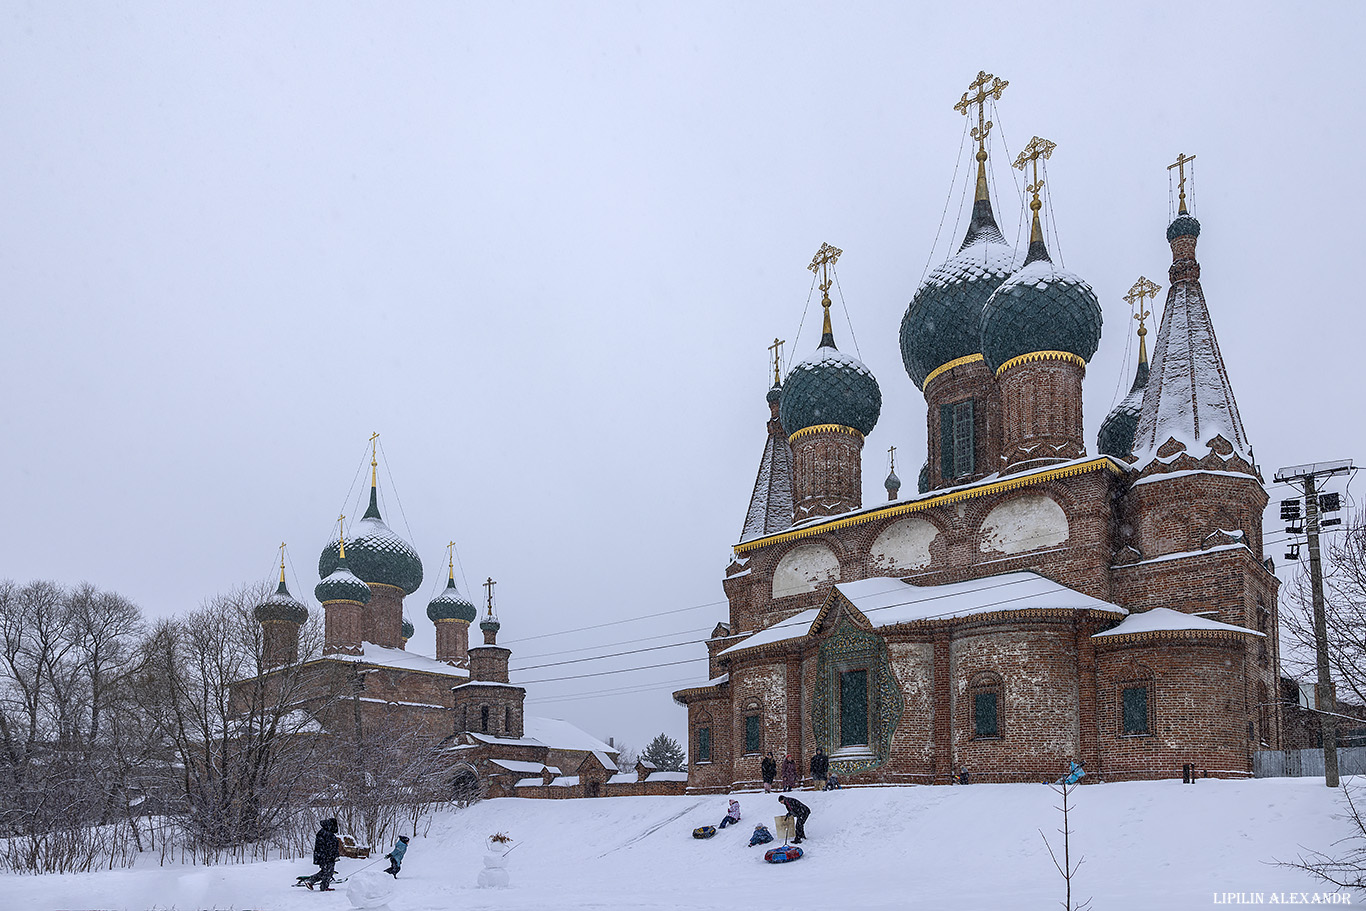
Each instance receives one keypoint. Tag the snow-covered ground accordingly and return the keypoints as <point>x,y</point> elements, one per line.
<point>1147,845</point>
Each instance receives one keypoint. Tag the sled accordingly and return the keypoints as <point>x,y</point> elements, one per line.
<point>704,832</point>
<point>783,854</point>
<point>785,827</point>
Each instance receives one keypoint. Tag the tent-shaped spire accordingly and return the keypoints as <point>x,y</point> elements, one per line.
<point>771,504</point>
<point>1188,403</point>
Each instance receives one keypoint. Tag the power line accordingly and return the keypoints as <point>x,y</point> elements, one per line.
<point>581,629</point>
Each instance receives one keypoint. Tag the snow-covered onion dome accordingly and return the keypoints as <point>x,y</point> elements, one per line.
<point>774,394</point>
<point>1185,225</point>
<point>830,388</point>
<point>893,484</point>
<point>451,605</point>
<point>341,585</point>
<point>1117,431</point>
<point>408,629</point>
<point>1040,308</point>
<point>281,606</point>
<point>941,323</point>
<point>375,553</point>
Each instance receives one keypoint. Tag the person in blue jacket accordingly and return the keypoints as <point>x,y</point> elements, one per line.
<point>396,856</point>
<point>1075,772</point>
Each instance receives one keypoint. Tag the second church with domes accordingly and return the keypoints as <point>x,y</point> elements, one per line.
<point>1034,602</point>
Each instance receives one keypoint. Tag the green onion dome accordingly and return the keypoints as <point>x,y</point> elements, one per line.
<point>376,554</point>
<point>923,482</point>
<point>490,625</point>
<point>408,629</point>
<point>1040,308</point>
<point>341,585</point>
<point>830,388</point>
<point>941,323</point>
<point>1185,225</point>
<point>281,606</point>
<point>1117,431</point>
<point>893,483</point>
<point>450,605</point>
<point>774,394</point>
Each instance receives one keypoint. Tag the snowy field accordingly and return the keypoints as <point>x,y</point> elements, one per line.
<point>1147,846</point>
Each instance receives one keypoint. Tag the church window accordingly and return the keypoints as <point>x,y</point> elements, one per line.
<point>507,720</point>
<point>1134,704</point>
<point>754,734</point>
<point>985,689</point>
<point>957,458</point>
<point>704,744</point>
<point>484,719</point>
<point>854,708</point>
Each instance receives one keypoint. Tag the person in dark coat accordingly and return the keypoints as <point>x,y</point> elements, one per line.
<point>789,773</point>
<point>326,847</point>
<point>395,857</point>
<point>768,770</point>
<point>798,811</point>
<point>820,768</point>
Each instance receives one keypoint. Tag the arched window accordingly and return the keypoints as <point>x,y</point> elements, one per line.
<point>1137,699</point>
<point>484,719</point>
<point>754,727</point>
<point>702,738</point>
<point>987,704</point>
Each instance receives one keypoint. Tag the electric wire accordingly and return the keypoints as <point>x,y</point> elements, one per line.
<point>938,231</point>
<point>792,351</point>
<point>847,318</point>
<point>588,648</point>
<point>582,629</point>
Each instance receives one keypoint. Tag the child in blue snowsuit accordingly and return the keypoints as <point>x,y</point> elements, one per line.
<point>1074,773</point>
<point>396,856</point>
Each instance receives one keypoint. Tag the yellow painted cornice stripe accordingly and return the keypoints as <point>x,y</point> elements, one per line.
<point>902,509</point>
<point>1169,633</point>
<point>823,428</point>
<point>945,368</point>
<point>1042,356</point>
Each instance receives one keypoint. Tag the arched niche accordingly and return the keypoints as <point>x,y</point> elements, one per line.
<point>1021,524</point>
<point>804,568</point>
<point>904,546</point>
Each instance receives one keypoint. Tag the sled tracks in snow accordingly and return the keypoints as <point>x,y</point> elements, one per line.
<point>655,828</point>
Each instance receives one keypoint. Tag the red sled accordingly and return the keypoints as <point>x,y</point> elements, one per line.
<point>783,855</point>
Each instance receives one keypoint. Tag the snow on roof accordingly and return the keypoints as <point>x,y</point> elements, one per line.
<point>529,783</point>
<point>770,506</point>
<point>526,768</point>
<point>562,735</point>
<point>607,761</point>
<point>890,601</point>
<point>669,776</point>
<point>569,781</point>
<point>402,660</point>
<point>1160,619</point>
<point>1193,553</point>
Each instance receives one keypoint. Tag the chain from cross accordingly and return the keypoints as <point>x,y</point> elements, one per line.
<point>1030,155</point>
<point>777,349</point>
<point>987,87</point>
<point>822,263</point>
<point>1180,165</point>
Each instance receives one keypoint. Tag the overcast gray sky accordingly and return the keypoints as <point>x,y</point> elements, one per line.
<point>543,248</point>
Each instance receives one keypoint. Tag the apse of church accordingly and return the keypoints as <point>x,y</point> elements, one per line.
<point>1034,601</point>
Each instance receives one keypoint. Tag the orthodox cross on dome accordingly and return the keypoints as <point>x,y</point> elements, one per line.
<point>1144,289</point>
<point>282,562</point>
<point>1037,148</point>
<point>450,557</point>
<point>1180,164</point>
<point>341,535</point>
<point>891,453</point>
<point>777,349</point>
<point>821,264</point>
<point>985,87</point>
<point>488,587</point>
<point>374,438</point>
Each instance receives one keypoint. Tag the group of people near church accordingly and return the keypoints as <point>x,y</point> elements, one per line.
<point>821,778</point>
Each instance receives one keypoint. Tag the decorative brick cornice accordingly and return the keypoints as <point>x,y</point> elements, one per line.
<point>823,428</point>
<point>966,493</point>
<point>1228,635</point>
<point>710,691</point>
<point>1065,356</point>
<point>945,368</point>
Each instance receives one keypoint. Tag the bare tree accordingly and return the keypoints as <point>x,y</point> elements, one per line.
<point>1345,613</point>
<point>1065,867</point>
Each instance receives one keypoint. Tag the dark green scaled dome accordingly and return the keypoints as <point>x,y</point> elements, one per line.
<point>376,554</point>
<point>408,629</point>
<point>450,605</point>
<point>1040,308</point>
<point>830,388</point>
<point>943,319</point>
<point>281,606</point>
<point>923,482</point>
<point>1117,431</point>
<point>1185,225</point>
<point>774,394</point>
<point>341,585</point>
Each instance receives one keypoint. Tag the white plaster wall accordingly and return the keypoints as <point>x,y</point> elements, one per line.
<point>804,568</point>
<point>904,546</point>
<point>1024,523</point>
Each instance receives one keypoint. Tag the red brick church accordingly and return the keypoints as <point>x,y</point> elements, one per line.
<point>1035,600</point>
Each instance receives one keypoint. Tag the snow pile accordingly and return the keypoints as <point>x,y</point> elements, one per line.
<point>370,889</point>
<point>1146,845</point>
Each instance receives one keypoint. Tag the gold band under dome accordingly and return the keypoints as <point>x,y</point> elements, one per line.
<point>1042,356</point>
<point>945,368</point>
<point>823,428</point>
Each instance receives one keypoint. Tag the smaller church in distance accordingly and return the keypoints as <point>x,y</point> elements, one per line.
<point>1035,601</point>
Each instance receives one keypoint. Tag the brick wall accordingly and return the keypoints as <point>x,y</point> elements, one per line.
<point>827,473</point>
<point>1041,412</point>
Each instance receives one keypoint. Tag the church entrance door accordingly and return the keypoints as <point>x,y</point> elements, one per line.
<point>854,708</point>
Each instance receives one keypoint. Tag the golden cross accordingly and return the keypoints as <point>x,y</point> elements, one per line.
<point>1180,165</point>
<point>891,451</point>
<point>450,555</point>
<point>488,585</point>
<point>821,264</point>
<point>373,438</point>
<point>1142,290</point>
<point>282,561</point>
<point>341,534</point>
<point>1037,148</point>
<point>777,349</point>
<point>986,86</point>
